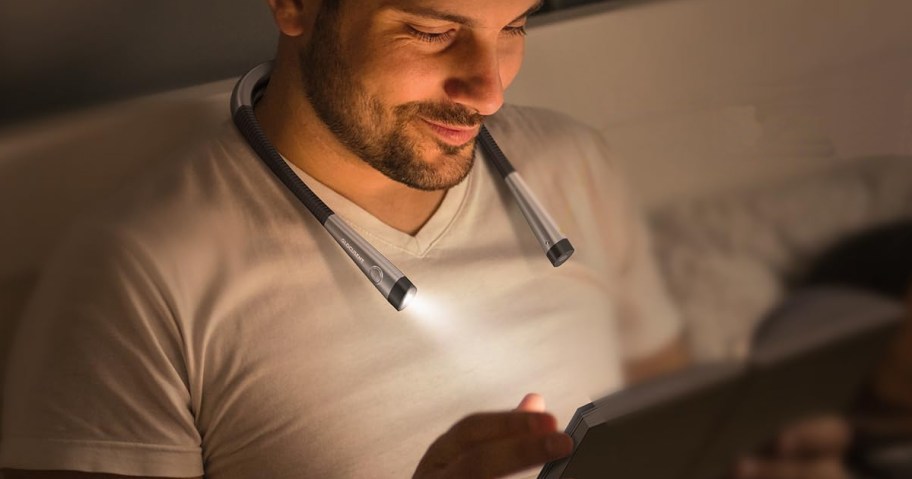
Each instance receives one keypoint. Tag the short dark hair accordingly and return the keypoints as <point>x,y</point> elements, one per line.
<point>877,260</point>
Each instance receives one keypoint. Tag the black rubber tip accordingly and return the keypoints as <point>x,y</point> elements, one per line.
<point>560,252</point>
<point>403,291</point>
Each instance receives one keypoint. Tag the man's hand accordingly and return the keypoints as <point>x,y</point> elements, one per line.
<point>811,449</point>
<point>490,445</point>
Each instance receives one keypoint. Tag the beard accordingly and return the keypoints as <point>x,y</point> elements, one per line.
<point>377,133</point>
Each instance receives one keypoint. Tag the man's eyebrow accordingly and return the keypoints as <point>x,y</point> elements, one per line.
<point>436,14</point>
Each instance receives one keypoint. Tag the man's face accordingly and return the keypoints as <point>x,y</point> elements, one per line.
<point>405,84</point>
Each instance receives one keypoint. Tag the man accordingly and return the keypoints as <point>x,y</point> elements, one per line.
<point>208,326</point>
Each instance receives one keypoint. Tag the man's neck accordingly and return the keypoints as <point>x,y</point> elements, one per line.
<point>291,124</point>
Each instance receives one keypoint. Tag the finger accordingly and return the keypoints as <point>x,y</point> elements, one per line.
<point>532,403</point>
<point>497,425</point>
<point>478,428</point>
<point>511,455</point>
<point>829,468</point>
<point>828,435</point>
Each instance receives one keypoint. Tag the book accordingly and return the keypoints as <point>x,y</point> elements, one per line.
<point>808,358</point>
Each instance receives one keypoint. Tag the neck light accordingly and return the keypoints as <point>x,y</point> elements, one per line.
<point>383,274</point>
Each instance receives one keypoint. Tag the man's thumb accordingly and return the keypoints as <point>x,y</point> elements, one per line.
<point>532,403</point>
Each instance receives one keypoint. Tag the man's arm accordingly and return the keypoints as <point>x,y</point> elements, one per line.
<point>98,355</point>
<point>21,474</point>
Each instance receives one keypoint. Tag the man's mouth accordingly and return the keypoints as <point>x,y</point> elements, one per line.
<point>456,135</point>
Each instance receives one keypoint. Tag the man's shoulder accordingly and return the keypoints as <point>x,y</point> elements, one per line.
<point>216,172</point>
<point>214,191</point>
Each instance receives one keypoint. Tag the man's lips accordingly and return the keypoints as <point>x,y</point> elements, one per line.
<point>451,134</point>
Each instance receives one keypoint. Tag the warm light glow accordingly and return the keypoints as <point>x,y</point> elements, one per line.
<point>430,314</point>
<point>409,297</point>
<point>422,307</point>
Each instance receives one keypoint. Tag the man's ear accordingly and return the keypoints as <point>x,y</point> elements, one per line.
<point>290,15</point>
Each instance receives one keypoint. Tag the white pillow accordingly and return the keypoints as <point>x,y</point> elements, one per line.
<point>728,259</point>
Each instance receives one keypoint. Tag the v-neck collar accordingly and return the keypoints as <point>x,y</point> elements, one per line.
<point>375,230</point>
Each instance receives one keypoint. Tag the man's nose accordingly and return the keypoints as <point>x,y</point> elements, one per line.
<point>475,78</point>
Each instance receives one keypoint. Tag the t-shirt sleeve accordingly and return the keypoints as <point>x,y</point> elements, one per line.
<point>97,380</point>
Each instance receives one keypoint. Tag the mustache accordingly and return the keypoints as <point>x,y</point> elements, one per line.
<point>449,114</point>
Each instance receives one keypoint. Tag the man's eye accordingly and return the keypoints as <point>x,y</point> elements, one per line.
<point>517,30</point>
<point>430,37</point>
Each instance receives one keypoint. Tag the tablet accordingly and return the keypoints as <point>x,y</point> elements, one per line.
<point>809,358</point>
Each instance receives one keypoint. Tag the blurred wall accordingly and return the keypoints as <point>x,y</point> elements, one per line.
<point>699,96</point>
<point>59,54</point>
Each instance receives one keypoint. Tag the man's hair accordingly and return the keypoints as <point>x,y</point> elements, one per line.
<point>878,260</point>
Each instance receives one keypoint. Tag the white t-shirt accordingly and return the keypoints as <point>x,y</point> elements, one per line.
<point>207,323</point>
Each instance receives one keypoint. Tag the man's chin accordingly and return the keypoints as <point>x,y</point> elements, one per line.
<point>464,151</point>
<point>443,171</point>
<point>430,164</point>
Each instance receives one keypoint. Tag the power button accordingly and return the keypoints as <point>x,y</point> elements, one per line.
<point>376,274</point>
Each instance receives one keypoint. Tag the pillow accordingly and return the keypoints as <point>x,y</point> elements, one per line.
<point>729,259</point>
